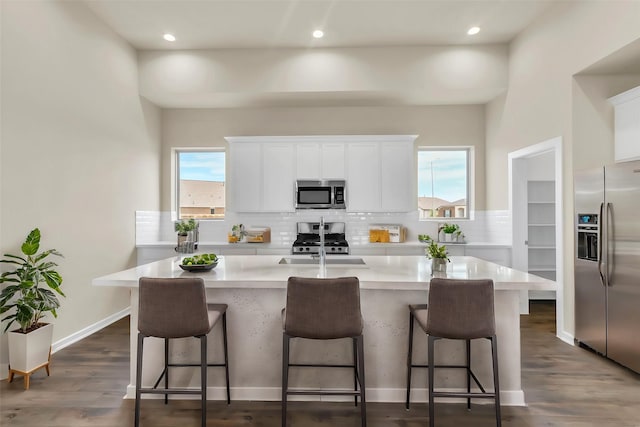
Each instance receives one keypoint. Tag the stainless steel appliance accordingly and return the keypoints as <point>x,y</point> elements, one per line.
<point>308,241</point>
<point>607,264</point>
<point>320,194</point>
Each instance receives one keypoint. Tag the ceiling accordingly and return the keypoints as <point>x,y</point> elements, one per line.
<point>216,24</point>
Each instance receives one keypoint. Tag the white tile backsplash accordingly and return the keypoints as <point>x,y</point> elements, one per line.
<point>485,227</point>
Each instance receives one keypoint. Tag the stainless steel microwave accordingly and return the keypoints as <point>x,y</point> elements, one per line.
<point>320,194</point>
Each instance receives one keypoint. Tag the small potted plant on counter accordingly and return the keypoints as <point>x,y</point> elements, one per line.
<point>187,233</point>
<point>438,255</point>
<point>449,230</point>
<point>28,300</point>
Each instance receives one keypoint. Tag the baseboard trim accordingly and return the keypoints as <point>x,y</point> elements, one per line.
<point>566,337</point>
<point>387,395</point>
<point>91,329</point>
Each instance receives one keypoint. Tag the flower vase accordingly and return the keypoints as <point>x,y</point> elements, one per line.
<point>438,265</point>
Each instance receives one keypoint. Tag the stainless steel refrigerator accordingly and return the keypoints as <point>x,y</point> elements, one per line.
<point>607,264</point>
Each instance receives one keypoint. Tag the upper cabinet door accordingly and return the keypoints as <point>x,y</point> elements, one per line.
<point>278,165</point>
<point>245,164</point>
<point>308,161</point>
<point>333,160</point>
<point>363,177</point>
<point>397,177</point>
<point>627,125</point>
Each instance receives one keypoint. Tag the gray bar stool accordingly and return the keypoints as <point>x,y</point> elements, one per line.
<point>461,310</point>
<point>177,308</point>
<point>324,309</point>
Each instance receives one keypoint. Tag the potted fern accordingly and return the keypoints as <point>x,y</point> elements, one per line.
<point>437,254</point>
<point>32,292</point>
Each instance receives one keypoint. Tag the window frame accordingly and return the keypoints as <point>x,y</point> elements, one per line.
<point>470,187</point>
<point>176,178</point>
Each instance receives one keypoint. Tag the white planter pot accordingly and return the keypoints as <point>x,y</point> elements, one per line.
<point>448,237</point>
<point>30,351</point>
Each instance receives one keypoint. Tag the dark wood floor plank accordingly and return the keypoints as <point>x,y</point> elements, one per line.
<point>564,386</point>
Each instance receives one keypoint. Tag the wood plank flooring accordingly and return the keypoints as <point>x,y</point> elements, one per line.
<point>564,386</point>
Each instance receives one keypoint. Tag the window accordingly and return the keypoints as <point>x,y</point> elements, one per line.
<point>443,183</point>
<point>200,184</point>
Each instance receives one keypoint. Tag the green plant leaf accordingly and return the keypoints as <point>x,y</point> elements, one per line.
<point>54,280</point>
<point>32,244</point>
<point>24,316</point>
<point>45,254</point>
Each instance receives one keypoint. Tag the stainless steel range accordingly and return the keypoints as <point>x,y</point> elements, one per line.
<point>308,241</point>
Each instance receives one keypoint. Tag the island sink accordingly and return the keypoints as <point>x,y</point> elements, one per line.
<point>316,261</point>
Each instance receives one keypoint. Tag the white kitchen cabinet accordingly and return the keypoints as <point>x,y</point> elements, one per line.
<point>245,170</point>
<point>262,176</point>
<point>363,177</point>
<point>397,172</point>
<point>379,171</point>
<point>278,177</point>
<point>333,163</point>
<point>320,160</point>
<point>308,165</point>
<point>381,176</point>
<point>627,125</point>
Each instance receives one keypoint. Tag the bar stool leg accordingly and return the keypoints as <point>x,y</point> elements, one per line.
<point>496,385</point>
<point>285,376</point>
<point>226,355</point>
<point>468,348</point>
<point>409,360</point>
<point>363,400</point>
<point>203,375</point>
<point>138,379</point>
<point>166,369</point>
<point>355,370</point>
<point>431,361</point>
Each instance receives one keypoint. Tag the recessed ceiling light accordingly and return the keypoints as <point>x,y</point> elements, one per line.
<point>169,37</point>
<point>318,34</point>
<point>473,30</point>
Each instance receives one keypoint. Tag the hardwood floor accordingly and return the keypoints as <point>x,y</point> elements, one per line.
<point>564,386</point>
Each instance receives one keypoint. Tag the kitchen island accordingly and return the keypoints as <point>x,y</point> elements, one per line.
<point>254,287</point>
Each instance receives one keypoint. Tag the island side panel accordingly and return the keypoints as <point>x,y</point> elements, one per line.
<point>255,349</point>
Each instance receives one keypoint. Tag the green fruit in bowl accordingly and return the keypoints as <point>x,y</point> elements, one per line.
<point>203,259</point>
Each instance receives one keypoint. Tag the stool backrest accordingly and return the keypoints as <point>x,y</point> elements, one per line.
<point>172,308</point>
<point>461,309</point>
<point>323,308</point>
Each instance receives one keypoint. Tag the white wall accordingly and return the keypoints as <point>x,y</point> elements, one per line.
<point>80,149</point>
<point>538,104</point>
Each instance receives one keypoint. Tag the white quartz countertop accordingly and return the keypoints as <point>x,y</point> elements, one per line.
<point>378,272</point>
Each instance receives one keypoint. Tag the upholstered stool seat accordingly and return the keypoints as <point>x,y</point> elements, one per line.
<point>177,308</point>
<point>462,310</point>
<point>324,309</point>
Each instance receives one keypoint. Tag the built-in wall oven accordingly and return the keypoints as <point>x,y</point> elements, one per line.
<point>320,194</point>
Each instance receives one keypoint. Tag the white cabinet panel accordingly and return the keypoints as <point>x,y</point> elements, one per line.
<point>245,166</point>
<point>398,187</point>
<point>262,177</point>
<point>627,130</point>
<point>363,177</point>
<point>627,125</point>
<point>333,164</point>
<point>278,177</point>
<point>308,163</point>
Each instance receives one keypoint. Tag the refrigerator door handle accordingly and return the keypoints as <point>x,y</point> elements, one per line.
<point>600,241</point>
<point>609,233</point>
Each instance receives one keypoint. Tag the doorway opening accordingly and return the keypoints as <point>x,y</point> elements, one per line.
<point>536,205</point>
